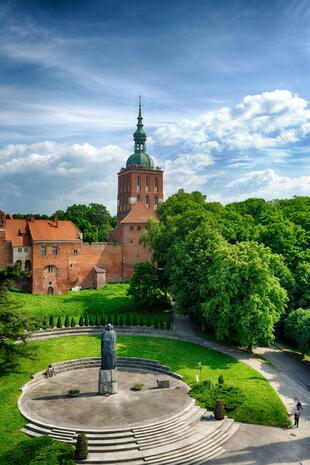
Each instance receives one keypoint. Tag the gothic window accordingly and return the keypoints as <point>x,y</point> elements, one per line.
<point>43,250</point>
<point>55,250</point>
<point>138,183</point>
<point>148,200</point>
<point>156,200</point>
<point>18,263</point>
<point>138,198</point>
<point>26,249</point>
<point>27,265</point>
<point>50,290</point>
<point>20,249</point>
<point>75,251</point>
<point>156,184</point>
<point>147,183</point>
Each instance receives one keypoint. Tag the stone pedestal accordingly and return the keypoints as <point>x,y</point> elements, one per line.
<point>107,383</point>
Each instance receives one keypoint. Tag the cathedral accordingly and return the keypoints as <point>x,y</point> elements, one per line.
<point>54,250</point>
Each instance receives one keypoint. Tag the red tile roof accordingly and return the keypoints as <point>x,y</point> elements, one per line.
<point>139,213</point>
<point>16,231</point>
<point>48,230</point>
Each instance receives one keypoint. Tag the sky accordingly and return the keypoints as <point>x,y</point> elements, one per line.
<point>225,94</point>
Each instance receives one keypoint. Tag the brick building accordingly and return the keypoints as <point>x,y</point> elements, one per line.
<point>54,250</point>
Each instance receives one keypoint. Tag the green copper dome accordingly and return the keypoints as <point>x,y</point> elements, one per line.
<point>140,157</point>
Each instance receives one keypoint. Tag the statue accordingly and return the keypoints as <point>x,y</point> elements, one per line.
<point>108,348</point>
<point>107,383</point>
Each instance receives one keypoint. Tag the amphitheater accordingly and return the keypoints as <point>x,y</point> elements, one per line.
<point>151,426</point>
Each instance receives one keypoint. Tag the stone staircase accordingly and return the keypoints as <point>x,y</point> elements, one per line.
<point>189,437</point>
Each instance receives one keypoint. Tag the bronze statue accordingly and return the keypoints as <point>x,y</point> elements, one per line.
<point>108,348</point>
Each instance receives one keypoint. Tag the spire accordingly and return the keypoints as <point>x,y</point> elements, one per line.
<point>139,135</point>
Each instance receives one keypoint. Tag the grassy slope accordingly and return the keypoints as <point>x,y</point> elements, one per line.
<point>110,299</point>
<point>262,405</point>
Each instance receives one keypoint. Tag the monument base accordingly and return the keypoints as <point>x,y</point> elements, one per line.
<point>107,383</point>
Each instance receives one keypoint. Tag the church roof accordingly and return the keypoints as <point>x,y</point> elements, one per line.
<point>139,213</point>
<point>16,232</point>
<point>140,158</point>
<point>48,230</point>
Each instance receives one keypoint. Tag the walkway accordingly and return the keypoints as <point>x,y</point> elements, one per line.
<point>261,445</point>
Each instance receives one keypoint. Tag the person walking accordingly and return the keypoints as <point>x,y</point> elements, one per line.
<point>299,406</point>
<point>296,419</point>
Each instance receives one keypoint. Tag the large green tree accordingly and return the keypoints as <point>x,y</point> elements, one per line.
<point>243,297</point>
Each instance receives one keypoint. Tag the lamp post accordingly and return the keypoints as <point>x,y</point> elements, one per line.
<point>199,364</point>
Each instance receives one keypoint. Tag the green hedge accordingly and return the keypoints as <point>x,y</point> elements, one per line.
<point>160,321</point>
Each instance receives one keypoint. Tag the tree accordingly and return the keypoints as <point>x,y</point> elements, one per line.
<point>297,329</point>
<point>243,299</point>
<point>14,326</point>
<point>144,285</point>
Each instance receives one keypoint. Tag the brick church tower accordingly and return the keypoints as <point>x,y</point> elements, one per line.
<point>140,181</point>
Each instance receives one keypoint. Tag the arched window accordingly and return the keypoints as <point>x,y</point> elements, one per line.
<point>27,265</point>
<point>18,263</point>
<point>50,290</point>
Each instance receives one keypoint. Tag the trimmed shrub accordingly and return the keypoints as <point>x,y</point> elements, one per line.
<point>97,321</point>
<point>86,320</point>
<point>81,447</point>
<point>127,319</point>
<point>148,321</point>
<point>44,323</point>
<point>116,320</point>
<point>51,322</point>
<point>219,411</point>
<point>134,320</point>
<point>221,379</point>
<point>103,319</point>
<point>81,320</point>
<point>121,320</point>
<point>67,321</point>
<point>73,323</point>
<point>156,323</point>
<point>91,320</point>
<point>59,322</point>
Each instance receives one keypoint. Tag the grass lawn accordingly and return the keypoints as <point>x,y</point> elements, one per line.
<point>111,299</point>
<point>261,404</point>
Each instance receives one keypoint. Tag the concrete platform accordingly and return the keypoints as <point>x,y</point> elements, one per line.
<point>46,401</point>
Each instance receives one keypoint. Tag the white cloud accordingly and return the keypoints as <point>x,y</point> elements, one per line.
<point>269,185</point>
<point>270,119</point>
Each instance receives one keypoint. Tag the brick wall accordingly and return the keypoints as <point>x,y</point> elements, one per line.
<point>5,251</point>
<point>133,251</point>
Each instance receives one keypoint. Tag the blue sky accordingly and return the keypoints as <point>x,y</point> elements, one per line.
<point>225,88</point>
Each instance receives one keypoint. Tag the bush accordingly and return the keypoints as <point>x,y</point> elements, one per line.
<point>121,320</point>
<point>103,319</point>
<point>73,323</point>
<point>73,392</point>
<point>91,320</point>
<point>97,321</point>
<point>221,379</point>
<point>81,320</point>
<point>45,323</point>
<point>81,448</point>
<point>39,451</point>
<point>148,321</point>
<point>208,393</point>
<point>51,322</point>
<point>116,320</point>
<point>86,320</point>
<point>59,322</point>
<point>134,320</point>
<point>67,322</point>
<point>137,387</point>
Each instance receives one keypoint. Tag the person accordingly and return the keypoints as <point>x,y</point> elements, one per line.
<point>296,419</point>
<point>299,406</point>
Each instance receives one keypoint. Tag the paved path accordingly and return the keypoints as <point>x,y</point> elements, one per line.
<point>261,445</point>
